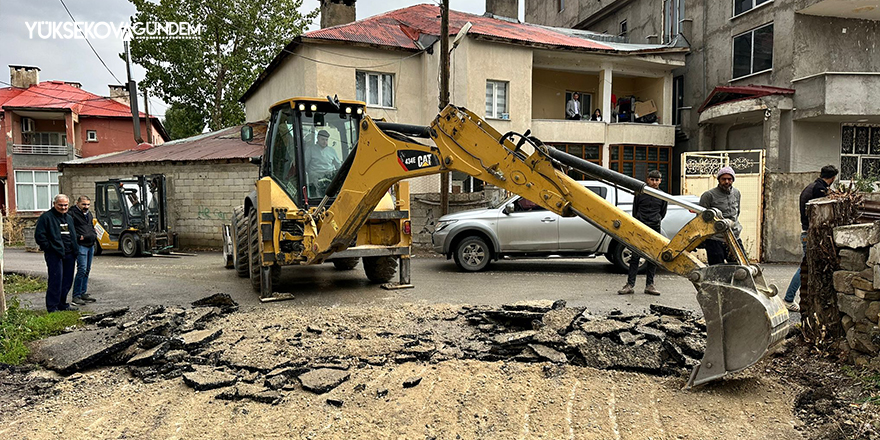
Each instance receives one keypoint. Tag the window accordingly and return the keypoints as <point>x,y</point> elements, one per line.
<point>859,151</point>
<point>673,13</point>
<point>561,5</point>
<point>753,51</point>
<point>740,6</point>
<point>496,100</point>
<point>376,89</point>
<point>92,135</point>
<point>589,152</point>
<point>44,138</point>
<point>622,28</point>
<point>27,125</point>
<point>636,160</point>
<point>34,189</point>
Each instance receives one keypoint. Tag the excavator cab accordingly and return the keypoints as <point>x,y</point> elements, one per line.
<point>307,145</point>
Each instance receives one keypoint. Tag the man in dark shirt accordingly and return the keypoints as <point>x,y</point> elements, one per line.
<point>650,211</point>
<point>53,234</point>
<point>85,240</point>
<point>817,189</point>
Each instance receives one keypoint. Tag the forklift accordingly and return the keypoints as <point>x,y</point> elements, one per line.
<point>131,215</point>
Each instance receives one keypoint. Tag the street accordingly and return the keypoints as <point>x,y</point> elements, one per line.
<point>119,282</point>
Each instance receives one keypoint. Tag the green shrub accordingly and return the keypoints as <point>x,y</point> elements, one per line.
<point>21,325</point>
<point>14,283</point>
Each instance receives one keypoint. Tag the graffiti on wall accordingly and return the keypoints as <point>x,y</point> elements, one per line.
<point>205,213</point>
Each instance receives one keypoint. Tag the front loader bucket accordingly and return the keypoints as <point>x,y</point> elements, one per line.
<point>743,321</point>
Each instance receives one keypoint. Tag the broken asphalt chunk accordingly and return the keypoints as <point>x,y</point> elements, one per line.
<point>221,300</point>
<point>98,317</point>
<point>323,379</point>
<point>335,402</point>
<point>206,378</point>
<point>196,339</point>
<point>150,356</point>
<point>549,353</point>
<point>412,381</point>
<point>671,311</point>
<point>604,327</point>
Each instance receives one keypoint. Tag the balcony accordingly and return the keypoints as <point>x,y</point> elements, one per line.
<point>829,96</point>
<point>857,9</point>
<point>49,150</point>
<point>555,130</point>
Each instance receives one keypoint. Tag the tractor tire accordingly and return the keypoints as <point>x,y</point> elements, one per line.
<point>380,269</point>
<point>345,263</point>
<point>130,245</point>
<point>240,242</point>
<point>254,260</point>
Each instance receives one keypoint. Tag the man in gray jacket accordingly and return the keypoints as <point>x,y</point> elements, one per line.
<point>572,107</point>
<point>726,199</point>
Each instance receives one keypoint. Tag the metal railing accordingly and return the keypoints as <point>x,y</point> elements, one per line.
<point>55,150</point>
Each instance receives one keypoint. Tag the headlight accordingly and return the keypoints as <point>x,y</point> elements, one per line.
<point>442,225</point>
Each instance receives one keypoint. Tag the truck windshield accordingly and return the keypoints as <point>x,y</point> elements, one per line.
<point>326,139</point>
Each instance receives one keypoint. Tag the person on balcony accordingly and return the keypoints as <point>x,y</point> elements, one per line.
<point>597,116</point>
<point>573,107</point>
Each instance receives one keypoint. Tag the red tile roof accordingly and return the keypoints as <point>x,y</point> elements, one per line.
<point>62,96</point>
<point>218,145</point>
<point>402,28</point>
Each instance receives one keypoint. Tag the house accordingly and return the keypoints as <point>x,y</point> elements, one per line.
<point>45,123</point>
<point>518,75</point>
<point>206,177</point>
<point>795,79</point>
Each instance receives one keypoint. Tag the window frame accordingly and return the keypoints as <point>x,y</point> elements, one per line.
<point>618,159</point>
<point>495,114</point>
<point>33,184</point>
<point>622,28</point>
<point>873,135</point>
<point>754,7</point>
<point>381,92</point>
<point>752,72</point>
<point>90,137</point>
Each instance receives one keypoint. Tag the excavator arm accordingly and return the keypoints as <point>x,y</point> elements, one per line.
<point>745,318</point>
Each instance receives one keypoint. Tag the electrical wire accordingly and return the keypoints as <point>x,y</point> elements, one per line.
<point>90,43</point>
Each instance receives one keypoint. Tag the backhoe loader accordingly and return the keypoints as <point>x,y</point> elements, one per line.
<point>301,213</point>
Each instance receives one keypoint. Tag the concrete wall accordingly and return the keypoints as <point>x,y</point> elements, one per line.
<point>782,218</point>
<point>483,61</point>
<point>425,210</point>
<point>829,44</point>
<point>814,144</point>
<point>114,134</point>
<point>201,195</point>
<point>294,77</point>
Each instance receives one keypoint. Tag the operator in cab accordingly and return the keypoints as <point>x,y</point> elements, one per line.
<point>321,160</point>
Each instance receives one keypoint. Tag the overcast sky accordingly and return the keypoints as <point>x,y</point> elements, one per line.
<point>73,60</point>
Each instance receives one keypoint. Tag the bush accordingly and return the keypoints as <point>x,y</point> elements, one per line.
<point>13,229</point>
<point>14,283</point>
<point>21,325</point>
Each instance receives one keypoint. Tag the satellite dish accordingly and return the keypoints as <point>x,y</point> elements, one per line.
<point>461,33</point>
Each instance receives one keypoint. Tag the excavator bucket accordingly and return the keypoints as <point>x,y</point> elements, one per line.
<point>744,320</point>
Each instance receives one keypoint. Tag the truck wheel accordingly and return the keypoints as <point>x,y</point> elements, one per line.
<point>622,256</point>
<point>254,260</point>
<point>240,242</point>
<point>345,263</point>
<point>130,245</point>
<point>380,269</point>
<point>472,254</point>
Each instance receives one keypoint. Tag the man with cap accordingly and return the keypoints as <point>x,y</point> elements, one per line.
<point>818,189</point>
<point>726,199</point>
<point>321,160</point>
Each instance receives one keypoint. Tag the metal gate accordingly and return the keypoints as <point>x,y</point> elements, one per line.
<point>699,175</point>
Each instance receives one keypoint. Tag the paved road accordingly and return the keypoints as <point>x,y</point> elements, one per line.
<point>117,281</point>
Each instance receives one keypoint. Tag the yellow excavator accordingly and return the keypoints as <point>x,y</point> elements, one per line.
<point>330,190</point>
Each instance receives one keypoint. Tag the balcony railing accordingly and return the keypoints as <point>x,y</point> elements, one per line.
<point>53,150</point>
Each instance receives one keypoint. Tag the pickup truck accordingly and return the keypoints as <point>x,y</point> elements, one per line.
<point>519,228</point>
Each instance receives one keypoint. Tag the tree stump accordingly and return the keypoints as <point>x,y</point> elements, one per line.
<point>819,312</point>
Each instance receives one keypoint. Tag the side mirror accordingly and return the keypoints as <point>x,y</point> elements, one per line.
<point>247,133</point>
<point>509,208</point>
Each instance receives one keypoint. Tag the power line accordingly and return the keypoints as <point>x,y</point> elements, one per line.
<point>90,44</point>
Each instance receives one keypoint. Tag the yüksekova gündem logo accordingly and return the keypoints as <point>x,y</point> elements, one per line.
<point>100,30</point>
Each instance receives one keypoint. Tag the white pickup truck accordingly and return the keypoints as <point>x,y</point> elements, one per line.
<point>518,228</point>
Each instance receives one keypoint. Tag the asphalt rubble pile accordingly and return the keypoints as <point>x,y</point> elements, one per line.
<point>158,343</point>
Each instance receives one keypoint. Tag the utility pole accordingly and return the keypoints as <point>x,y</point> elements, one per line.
<point>132,98</point>
<point>444,93</point>
<point>147,114</point>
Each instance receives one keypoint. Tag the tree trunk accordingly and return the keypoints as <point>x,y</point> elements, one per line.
<point>820,316</point>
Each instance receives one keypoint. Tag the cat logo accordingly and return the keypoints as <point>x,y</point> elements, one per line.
<point>415,160</point>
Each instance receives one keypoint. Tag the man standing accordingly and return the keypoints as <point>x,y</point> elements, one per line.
<point>573,107</point>
<point>817,189</point>
<point>650,211</point>
<point>725,198</point>
<point>85,240</point>
<point>53,234</point>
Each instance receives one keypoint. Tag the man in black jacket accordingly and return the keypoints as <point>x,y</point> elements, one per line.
<point>650,211</point>
<point>817,189</point>
<point>85,240</point>
<point>53,234</point>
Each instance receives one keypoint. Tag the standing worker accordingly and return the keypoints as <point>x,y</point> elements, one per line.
<point>53,234</point>
<point>817,189</point>
<point>85,240</point>
<point>726,199</point>
<point>650,211</point>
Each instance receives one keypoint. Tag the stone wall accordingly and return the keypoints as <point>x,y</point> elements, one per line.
<point>201,195</point>
<point>425,210</point>
<point>858,290</point>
